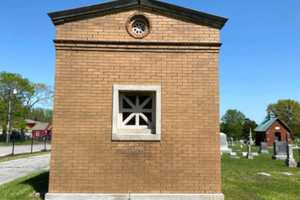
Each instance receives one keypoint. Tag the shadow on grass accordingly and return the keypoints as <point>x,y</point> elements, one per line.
<point>39,183</point>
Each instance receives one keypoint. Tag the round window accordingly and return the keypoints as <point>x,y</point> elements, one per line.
<point>138,26</point>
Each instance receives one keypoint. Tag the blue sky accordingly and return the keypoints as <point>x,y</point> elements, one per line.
<point>259,63</point>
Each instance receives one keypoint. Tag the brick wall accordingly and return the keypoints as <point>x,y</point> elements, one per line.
<point>112,27</point>
<point>270,135</point>
<point>84,159</point>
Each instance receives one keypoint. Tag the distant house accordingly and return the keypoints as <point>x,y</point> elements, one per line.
<point>41,129</point>
<point>38,129</point>
<point>30,123</point>
<point>271,130</point>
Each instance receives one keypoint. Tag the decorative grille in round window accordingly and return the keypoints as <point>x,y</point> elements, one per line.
<point>138,26</point>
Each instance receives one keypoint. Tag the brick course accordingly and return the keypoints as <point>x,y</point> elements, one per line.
<point>85,159</point>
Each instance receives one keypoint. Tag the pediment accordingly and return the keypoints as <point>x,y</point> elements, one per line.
<point>166,9</point>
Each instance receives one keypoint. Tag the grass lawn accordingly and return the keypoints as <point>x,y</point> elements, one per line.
<point>239,177</point>
<point>25,155</point>
<point>241,181</point>
<point>26,188</point>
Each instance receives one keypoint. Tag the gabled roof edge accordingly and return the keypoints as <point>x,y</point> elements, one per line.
<point>260,128</point>
<point>193,15</point>
<point>65,16</point>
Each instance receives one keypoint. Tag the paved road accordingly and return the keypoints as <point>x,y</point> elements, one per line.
<point>19,149</point>
<point>14,169</point>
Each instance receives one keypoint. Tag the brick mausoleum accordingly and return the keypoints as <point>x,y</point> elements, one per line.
<point>272,129</point>
<point>136,112</point>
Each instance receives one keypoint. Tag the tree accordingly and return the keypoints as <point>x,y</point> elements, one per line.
<point>288,111</point>
<point>248,124</point>
<point>10,82</point>
<point>40,114</point>
<point>232,123</point>
<point>19,95</point>
<point>42,95</point>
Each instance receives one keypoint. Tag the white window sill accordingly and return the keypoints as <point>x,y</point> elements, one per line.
<point>135,137</point>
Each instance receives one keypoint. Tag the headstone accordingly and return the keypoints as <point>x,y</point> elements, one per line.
<point>244,154</point>
<point>290,157</point>
<point>234,155</point>
<point>263,148</point>
<point>297,148</point>
<point>254,154</point>
<point>280,150</point>
<point>224,143</point>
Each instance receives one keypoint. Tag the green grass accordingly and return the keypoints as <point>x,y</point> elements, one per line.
<point>239,178</point>
<point>26,188</point>
<point>241,181</point>
<point>19,156</point>
<point>237,148</point>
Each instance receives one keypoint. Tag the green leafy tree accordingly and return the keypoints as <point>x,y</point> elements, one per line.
<point>41,114</point>
<point>2,115</point>
<point>13,82</point>
<point>22,95</point>
<point>232,123</point>
<point>288,111</point>
<point>248,124</point>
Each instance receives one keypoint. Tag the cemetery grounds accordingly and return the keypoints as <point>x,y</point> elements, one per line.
<point>241,179</point>
<point>259,179</point>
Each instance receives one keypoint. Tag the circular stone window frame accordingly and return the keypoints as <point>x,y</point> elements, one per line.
<point>138,17</point>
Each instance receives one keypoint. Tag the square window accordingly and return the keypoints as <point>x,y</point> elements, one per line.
<point>136,113</point>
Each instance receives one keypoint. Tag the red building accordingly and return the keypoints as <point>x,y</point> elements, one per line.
<point>271,130</point>
<point>30,123</point>
<point>39,129</point>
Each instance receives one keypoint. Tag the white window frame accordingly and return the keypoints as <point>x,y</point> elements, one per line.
<point>121,133</point>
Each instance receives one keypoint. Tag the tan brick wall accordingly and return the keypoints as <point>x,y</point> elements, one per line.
<point>84,159</point>
<point>112,27</point>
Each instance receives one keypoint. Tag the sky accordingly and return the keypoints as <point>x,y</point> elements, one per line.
<point>259,61</point>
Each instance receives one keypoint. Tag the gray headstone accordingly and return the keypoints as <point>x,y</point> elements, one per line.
<point>263,148</point>
<point>280,150</point>
<point>290,159</point>
<point>254,153</point>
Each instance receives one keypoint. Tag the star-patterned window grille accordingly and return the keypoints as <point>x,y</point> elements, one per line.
<point>137,110</point>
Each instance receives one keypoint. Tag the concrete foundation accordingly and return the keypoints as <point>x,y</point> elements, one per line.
<point>83,196</point>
